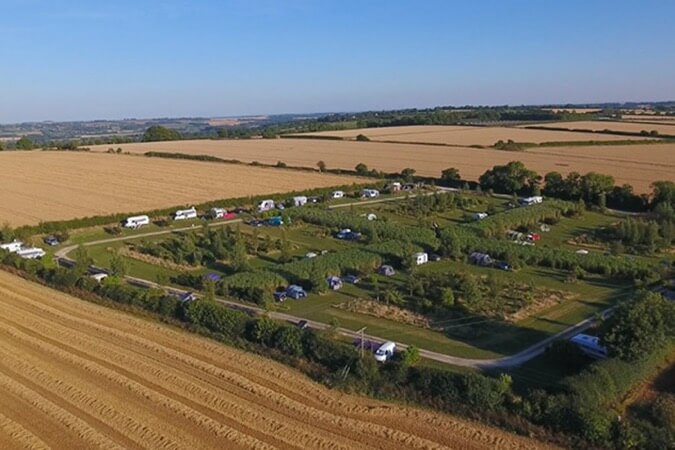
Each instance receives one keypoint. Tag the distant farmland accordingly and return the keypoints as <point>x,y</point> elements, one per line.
<point>42,186</point>
<point>601,125</point>
<point>638,165</point>
<point>75,375</point>
<point>466,135</point>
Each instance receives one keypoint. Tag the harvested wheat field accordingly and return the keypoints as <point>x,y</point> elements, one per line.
<point>467,135</point>
<point>601,125</point>
<point>75,375</point>
<point>638,165</point>
<point>40,186</point>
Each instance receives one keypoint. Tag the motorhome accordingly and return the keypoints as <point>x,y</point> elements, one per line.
<point>590,345</point>
<point>12,247</point>
<point>136,222</point>
<point>31,253</point>
<point>265,205</point>
<point>217,213</point>
<point>385,351</point>
<point>300,200</point>
<point>527,201</point>
<point>184,214</point>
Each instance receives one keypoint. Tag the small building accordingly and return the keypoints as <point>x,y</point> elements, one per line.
<point>296,292</point>
<point>185,214</point>
<point>527,201</point>
<point>337,194</point>
<point>299,200</point>
<point>480,216</point>
<point>481,259</point>
<point>421,258</point>
<point>12,247</point>
<point>334,283</point>
<point>386,270</point>
<point>590,345</point>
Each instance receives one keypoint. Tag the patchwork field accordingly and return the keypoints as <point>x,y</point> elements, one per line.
<point>638,165</point>
<point>40,186</point>
<point>466,135</point>
<point>600,125</point>
<point>80,376</point>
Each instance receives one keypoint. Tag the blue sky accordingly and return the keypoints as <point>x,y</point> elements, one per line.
<point>81,60</point>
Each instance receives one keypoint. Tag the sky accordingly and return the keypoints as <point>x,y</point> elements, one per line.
<point>86,60</point>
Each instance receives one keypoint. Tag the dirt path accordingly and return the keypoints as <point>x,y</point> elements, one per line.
<point>77,375</point>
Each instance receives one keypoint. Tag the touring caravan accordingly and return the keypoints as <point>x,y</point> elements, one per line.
<point>184,214</point>
<point>31,253</point>
<point>136,222</point>
<point>265,205</point>
<point>12,247</point>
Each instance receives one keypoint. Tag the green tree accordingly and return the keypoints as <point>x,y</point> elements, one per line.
<point>450,176</point>
<point>640,325</point>
<point>361,169</point>
<point>82,261</point>
<point>321,165</point>
<point>239,254</point>
<point>408,173</point>
<point>362,138</point>
<point>159,133</point>
<point>118,265</point>
<point>510,178</point>
<point>24,144</point>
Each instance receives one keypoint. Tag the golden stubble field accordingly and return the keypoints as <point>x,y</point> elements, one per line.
<point>601,125</point>
<point>41,186</point>
<point>467,135</point>
<point>75,375</point>
<point>638,165</point>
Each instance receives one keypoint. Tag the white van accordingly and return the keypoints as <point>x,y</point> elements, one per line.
<point>265,205</point>
<point>385,351</point>
<point>136,222</point>
<point>184,214</point>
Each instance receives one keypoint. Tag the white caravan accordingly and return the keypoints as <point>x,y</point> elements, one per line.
<point>337,194</point>
<point>136,222</point>
<point>12,247</point>
<point>265,205</point>
<point>385,351</point>
<point>184,214</point>
<point>300,200</point>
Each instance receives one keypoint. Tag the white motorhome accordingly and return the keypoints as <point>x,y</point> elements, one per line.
<point>590,345</point>
<point>31,253</point>
<point>337,194</point>
<point>300,200</point>
<point>184,214</point>
<point>136,221</point>
<point>370,193</point>
<point>385,351</point>
<point>99,277</point>
<point>527,201</point>
<point>12,247</point>
<point>265,205</point>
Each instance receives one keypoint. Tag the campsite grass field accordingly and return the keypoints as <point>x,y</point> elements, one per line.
<point>47,186</point>
<point>79,375</point>
<point>638,165</point>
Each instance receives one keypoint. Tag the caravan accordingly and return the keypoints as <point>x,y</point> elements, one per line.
<point>265,205</point>
<point>184,214</point>
<point>31,253</point>
<point>12,247</point>
<point>136,222</point>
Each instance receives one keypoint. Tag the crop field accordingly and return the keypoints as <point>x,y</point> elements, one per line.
<point>466,135</point>
<point>76,375</point>
<point>600,125</point>
<point>638,165</point>
<point>42,186</point>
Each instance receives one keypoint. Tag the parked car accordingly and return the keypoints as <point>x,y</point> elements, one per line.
<point>302,324</point>
<point>503,265</point>
<point>351,279</point>
<point>51,240</point>
<point>296,292</point>
<point>434,257</point>
<point>280,296</point>
<point>256,223</point>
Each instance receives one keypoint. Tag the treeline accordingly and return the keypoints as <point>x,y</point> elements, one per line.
<point>457,242</point>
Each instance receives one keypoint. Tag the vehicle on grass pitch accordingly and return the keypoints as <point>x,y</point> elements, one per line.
<point>184,214</point>
<point>136,222</point>
<point>385,352</point>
